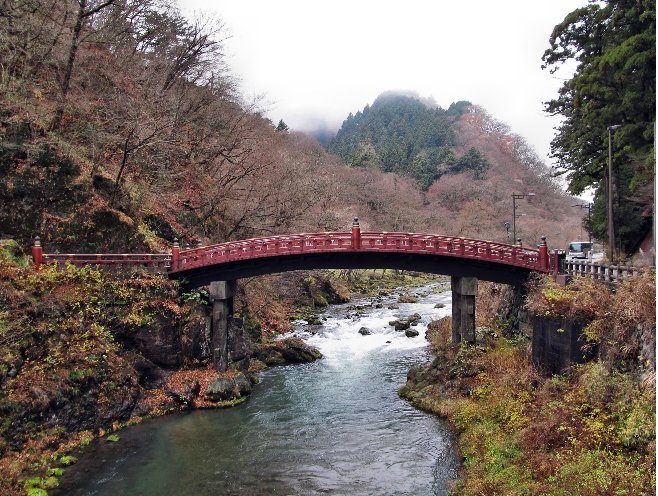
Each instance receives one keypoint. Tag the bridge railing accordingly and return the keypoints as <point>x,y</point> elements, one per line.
<point>160,260</point>
<point>452,246</point>
<point>368,241</point>
<point>262,247</point>
<point>270,246</point>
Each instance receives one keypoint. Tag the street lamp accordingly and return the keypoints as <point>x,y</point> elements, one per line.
<point>517,196</point>
<point>588,206</point>
<point>611,220</point>
<point>507,225</point>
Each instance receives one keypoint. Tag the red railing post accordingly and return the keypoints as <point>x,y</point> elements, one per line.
<point>543,254</point>
<point>175,255</point>
<point>356,234</point>
<point>37,253</point>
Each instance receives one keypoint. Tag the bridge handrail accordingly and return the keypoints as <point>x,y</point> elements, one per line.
<point>368,241</point>
<point>117,259</point>
<point>364,235</point>
<point>292,244</point>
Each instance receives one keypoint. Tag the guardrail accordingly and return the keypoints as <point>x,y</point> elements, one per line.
<point>112,260</point>
<point>610,273</point>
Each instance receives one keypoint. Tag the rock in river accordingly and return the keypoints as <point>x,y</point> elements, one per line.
<point>402,325</point>
<point>226,388</point>
<point>294,350</point>
<point>289,350</point>
<point>414,317</point>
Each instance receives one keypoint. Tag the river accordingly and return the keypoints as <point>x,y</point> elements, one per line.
<point>335,426</point>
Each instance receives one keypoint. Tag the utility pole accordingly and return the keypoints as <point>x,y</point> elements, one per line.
<point>611,219</point>
<point>588,206</point>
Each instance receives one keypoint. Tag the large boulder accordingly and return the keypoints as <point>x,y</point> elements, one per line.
<point>289,350</point>
<point>160,341</point>
<point>294,350</point>
<point>186,393</point>
<point>195,342</point>
<point>238,345</point>
<point>150,375</point>
<point>268,354</point>
<point>227,388</point>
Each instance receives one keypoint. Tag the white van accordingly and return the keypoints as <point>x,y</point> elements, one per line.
<point>579,249</point>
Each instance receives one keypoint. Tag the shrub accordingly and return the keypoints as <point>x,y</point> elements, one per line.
<point>626,329</point>
<point>581,300</point>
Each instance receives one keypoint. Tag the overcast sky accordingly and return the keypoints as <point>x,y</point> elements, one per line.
<point>314,62</point>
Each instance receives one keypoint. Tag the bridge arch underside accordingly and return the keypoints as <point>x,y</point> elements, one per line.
<point>432,264</point>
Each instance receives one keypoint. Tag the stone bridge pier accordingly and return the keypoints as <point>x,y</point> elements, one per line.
<point>464,291</point>
<point>221,299</point>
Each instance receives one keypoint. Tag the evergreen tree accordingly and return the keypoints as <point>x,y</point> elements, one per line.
<point>614,45</point>
<point>400,134</point>
<point>472,161</point>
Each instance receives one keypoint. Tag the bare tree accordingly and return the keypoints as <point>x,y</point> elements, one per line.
<point>86,10</point>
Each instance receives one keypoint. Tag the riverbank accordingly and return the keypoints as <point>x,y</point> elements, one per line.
<point>84,353</point>
<point>590,431</point>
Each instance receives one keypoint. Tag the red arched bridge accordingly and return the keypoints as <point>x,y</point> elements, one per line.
<point>220,265</point>
<point>431,253</point>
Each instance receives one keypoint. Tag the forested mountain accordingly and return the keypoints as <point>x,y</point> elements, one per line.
<point>122,128</point>
<point>462,167</point>
<point>402,134</point>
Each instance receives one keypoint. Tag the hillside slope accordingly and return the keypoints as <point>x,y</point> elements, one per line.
<point>455,175</point>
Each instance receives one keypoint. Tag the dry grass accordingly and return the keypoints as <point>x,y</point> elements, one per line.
<point>582,299</point>
<point>589,432</point>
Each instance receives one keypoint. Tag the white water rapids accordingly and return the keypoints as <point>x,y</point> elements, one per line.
<point>334,426</point>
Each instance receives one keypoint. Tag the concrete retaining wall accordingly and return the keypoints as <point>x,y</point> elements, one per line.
<point>558,343</point>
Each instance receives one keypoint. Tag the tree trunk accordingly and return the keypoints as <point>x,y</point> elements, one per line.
<point>73,50</point>
<point>66,82</point>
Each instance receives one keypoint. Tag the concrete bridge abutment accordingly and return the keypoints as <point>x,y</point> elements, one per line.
<point>464,291</point>
<point>221,300</point>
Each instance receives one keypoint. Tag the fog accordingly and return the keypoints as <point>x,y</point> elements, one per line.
<point>312,63</point>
